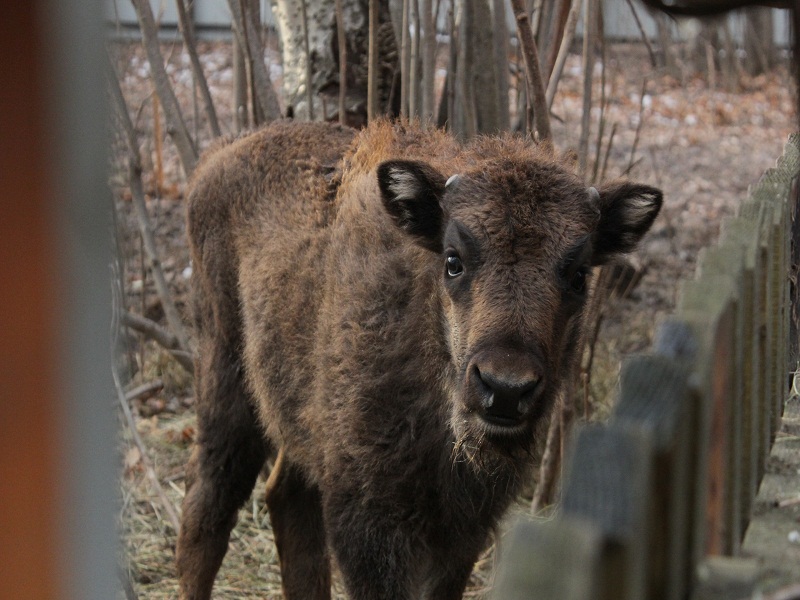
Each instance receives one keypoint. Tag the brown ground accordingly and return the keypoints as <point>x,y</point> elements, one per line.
<point>703,147</point>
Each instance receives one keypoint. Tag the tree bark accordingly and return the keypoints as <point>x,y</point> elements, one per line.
<point>176,126</point>
<point>247,36</point>
<point>501,69</point>
<point>342,47</point>
<point>324,53</point>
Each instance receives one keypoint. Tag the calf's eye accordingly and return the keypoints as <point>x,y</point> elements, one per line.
<point>453,265</point>
<point>578,282</point>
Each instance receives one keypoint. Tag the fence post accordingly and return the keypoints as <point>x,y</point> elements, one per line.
<point>654,396</point>
<point>744,235</point>
<point>708,307</point>
<point>564,559</point>
<point>609,479</point>
<point>728,260</point>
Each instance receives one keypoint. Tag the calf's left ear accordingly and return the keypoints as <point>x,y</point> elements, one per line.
<point>627,210</point>
<point>411,191</point>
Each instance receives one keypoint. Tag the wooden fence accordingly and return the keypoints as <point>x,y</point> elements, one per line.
<point>671,478</point>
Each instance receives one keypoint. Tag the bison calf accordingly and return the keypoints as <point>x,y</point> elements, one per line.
<point>397,312</point>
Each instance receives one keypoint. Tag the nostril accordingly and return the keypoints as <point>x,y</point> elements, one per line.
<point>508,387</point>
<point>504,397</point>
<point>486,391</point>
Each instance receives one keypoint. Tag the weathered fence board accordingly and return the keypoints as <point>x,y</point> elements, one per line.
<point>655,397</point>
<point>708,307</point>
<point>670,481</point>
<point>609,480</point>
<point>536,550</point>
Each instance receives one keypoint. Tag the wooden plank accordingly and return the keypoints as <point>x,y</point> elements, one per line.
<point>564,559</point>
<point>759,214</point>
<point>744,233</point>
<point>708,307</point>
<point>780,306</point>
<point>654,395</point>
<point>610,482</point>
<point>728,260</point>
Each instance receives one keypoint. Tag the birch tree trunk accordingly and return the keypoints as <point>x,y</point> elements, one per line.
<point>323,55</point>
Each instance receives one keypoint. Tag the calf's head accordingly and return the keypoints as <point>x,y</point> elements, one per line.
<point>512,244</point>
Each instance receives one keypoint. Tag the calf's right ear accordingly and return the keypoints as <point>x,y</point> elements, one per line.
<point>411,191</point>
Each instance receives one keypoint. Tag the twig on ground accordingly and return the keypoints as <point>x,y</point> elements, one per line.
<point>151,474</point>
<point>144,390</point>
<point>162,336</point>
<point>789,502</point>
<point>788,593</point>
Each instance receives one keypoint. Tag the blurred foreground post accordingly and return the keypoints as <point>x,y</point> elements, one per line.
<point>57,535</point>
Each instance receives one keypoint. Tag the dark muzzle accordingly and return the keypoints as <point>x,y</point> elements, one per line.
<point>504,386</point>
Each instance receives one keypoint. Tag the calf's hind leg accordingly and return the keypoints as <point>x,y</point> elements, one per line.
<point>222,470</point>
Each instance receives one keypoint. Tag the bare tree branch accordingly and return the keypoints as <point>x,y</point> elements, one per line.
<point>536,97</point>
<point>428,62</point>
<point>137,193</point>
<point>342,40</point>
<point>563,52</point>
<point>246,33</point>
<point>549,467</point>
<point>405,63</point>
<point>413,71</point>
<point>176,127</point>
<point>589,22</point>
<point>372,74</point>
<point>643,33</point>
<point>189,42</point>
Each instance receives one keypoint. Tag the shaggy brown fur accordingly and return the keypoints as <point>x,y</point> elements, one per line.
<point>401,339</point>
